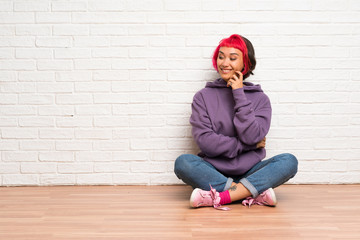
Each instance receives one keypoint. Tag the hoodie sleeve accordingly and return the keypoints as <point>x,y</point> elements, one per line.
<point>211,143</point>
<point>252,125</point>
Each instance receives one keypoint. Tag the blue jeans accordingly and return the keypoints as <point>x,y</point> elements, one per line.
<point>270,173</point>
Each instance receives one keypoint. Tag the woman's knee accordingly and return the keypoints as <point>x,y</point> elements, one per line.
<point>183,164</point>
<point>291,163</point>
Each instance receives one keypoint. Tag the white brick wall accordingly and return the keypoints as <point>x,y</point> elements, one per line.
<point>99,91</point>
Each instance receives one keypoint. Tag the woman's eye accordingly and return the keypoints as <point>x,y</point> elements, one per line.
<point>232,59</point>
<point>220,57</point>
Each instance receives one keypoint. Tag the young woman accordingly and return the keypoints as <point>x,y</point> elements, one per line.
<point>230,120</point>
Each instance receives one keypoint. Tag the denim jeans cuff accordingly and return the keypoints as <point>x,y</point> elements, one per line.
<point>250,187</point>
<point>228,183</point>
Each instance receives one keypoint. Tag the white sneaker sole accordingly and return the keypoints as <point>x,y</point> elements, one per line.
<point>192,198</point>
<point>273,196</point>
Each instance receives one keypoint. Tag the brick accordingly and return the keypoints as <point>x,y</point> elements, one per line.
<point>92,156</point>
<point>6,6</point>
<point>148,75</point>
<point>36,121</point>
<point>129,133</point>
<point>146,98</point>
<point>164,179</point>
<point>93,87</point>
<point>56,110</point>
<point>106,5</point>
<point>17,65</point>
<point>74,98</point>
<point>35,76</point>
<point>56,133</point>
<point>6,53</point>
<point>9,168</point>
<point>26,6</point>
<point>165,155</point>
<point>20,180</point>
<point>16,17</point>
<point>186,29</point>
<point>55,87</point>
<point>66,6</point>
<point>56,65</point>
<point>7,76</point>
<point>110,53</point>
<point>129,64</point>
<point>9,145</point>
<point>51,179</point>
<point>81,42</point>
<point>147,167</point>
<point>130,156</point>
<point>111,145</point>
<point>147,121</point>
<point>93,134</point>
<point>32,145</point>
<point>141,52</point>
<point>111,121</point>
<point>38,168</point>
<point>131,179</point>
<point>53,17</point>
<point>73,76</point>
<point>33,53</point>
<point>147,144</point>
<point>184,144</point>
<point>32,30</point>
<point>108,17</point>
<point>75,167</point>
<point>108,29</point>
<point>8,122</point>
<point>112,98</point>
<point>82,64</point>
<point>71,121</point>
<point>6,99</point>
<point>65,145</point>
<point>185,5</point>
<point>36,99</point>
<point>58,157</point>
<point>99,109</point>
<point>53,42</point>
<point>70,30</point>
<point>148,29</point>
<point>132,109</point>
<point>119,167</point>
<point>17,110</point>
<point>109,75</point>
<point>94,179</point>
<point>145,5</point>
<point>19,156</point>
<point>129,41</point>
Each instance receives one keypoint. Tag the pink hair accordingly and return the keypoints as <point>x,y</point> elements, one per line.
<point>234,41</point>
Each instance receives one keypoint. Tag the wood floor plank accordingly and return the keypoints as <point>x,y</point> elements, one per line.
<point>162,212</point>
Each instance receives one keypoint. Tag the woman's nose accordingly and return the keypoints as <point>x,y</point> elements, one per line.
<point>225,62</point>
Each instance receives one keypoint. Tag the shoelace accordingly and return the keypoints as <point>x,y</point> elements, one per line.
<point>251,201</point>
<point>214,197</point>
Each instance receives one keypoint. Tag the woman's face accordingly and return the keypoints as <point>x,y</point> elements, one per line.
<point>228,61</point>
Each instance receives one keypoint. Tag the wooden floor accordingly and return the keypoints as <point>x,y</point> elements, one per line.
<point>162,212</point>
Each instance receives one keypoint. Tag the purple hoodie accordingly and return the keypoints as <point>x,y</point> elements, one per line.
<point>227,124</point>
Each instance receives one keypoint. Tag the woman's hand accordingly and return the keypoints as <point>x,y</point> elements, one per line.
<point>261,144</point>
<point>236,81</point>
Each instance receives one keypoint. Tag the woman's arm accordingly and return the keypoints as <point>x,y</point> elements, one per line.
<point>211,143</point>
<point>252,125</point>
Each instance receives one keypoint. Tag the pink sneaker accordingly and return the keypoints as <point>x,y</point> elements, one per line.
<point>266,198</point>
<point>201,198</point>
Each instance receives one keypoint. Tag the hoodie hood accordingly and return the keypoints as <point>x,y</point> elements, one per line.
<point>221,83</point>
